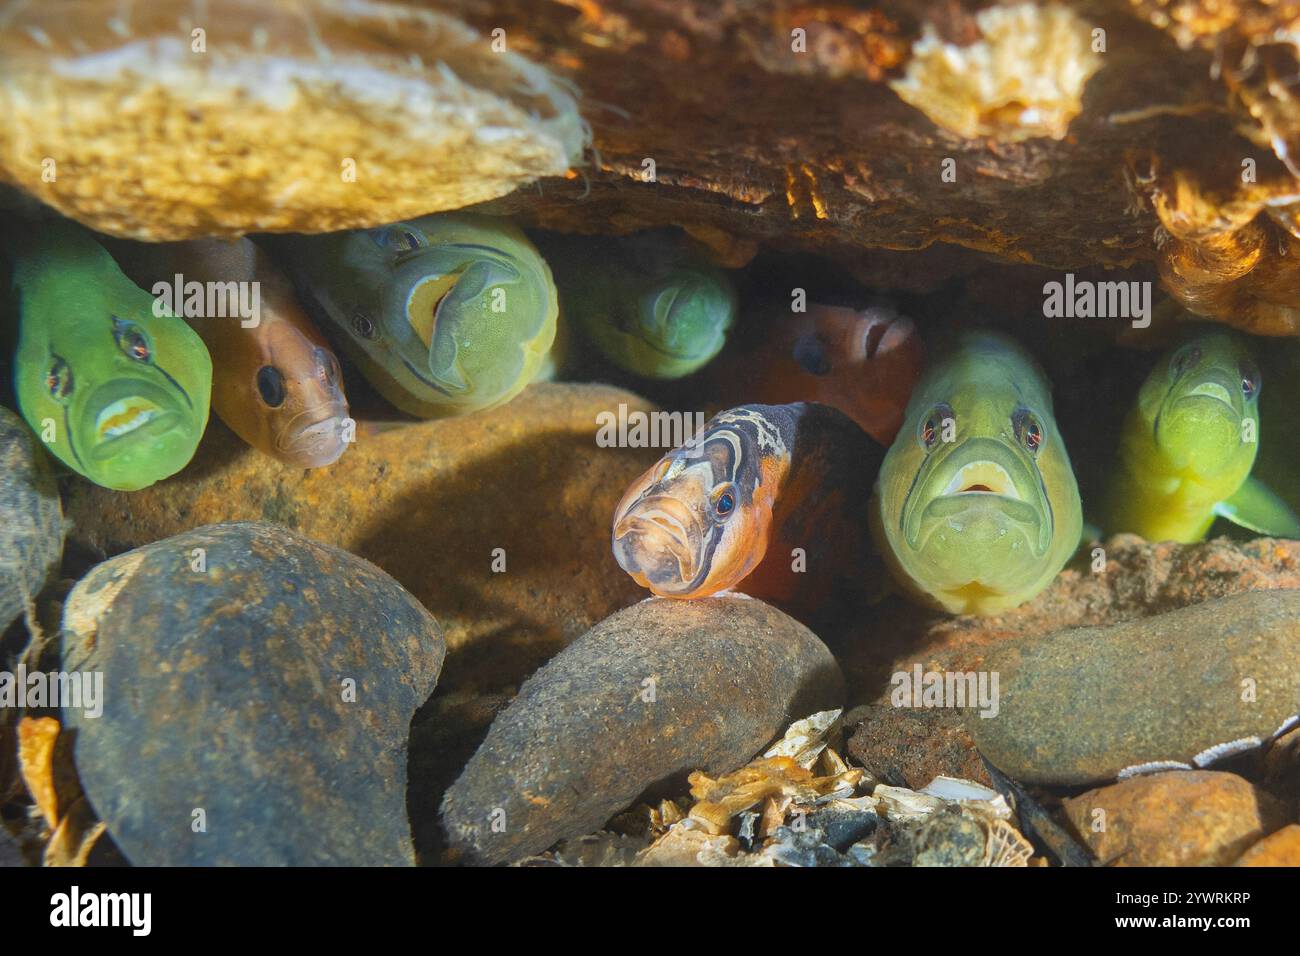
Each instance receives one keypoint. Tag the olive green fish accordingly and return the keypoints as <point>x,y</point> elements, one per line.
<point>1189,444</point>
<point>652,304</point>
<point>117,388</point>
<point>976,508</point>
<point>444,315</point>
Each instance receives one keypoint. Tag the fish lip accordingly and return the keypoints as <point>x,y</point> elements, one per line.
<point>673,525</point>
<point>315,432</point>
<point>1025,505</point>
<point>1215,390</point>
<point>167,417</point>
<point>1213,385</point>
<point>977,473</point>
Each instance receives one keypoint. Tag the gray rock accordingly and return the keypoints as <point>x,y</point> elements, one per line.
<point>643,698</point>
<point>31,518</point>
<point>1088,704</point>
<point>225,690</point>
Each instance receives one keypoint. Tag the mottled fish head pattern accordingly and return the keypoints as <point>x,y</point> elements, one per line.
<point>698,521</point>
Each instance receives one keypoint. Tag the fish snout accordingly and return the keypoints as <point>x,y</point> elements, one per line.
<point>658,541</point>
<point>314,443</point>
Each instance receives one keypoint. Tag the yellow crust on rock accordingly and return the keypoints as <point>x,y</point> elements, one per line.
<point>152,138</point>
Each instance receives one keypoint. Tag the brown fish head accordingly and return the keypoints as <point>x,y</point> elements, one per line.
<point>299,390</point>
<point>697,522</point>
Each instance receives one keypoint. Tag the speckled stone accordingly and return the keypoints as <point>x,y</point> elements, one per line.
<point>911,746</point>
<point>31,518</point>
<point>227,690</point>
<point>1179,818</point>
<point>1080,706</point>
<point>648,695</point>
<point>950,839</point>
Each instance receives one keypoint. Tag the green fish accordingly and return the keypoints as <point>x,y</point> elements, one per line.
<point>117,390</point>
<point>976,508</point>
<point>1189,444</point>
<point>446,314</point>
<point>651,304</point>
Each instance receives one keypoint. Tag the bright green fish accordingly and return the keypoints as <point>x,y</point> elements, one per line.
<point>651,303</point>
<point>444,315</point>
<point>1189,444</point>
<point>118,392</point>
<point>976,508</point>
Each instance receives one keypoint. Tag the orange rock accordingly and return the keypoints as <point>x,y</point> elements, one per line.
<point>1277,849</point>
<point>1191,818</point>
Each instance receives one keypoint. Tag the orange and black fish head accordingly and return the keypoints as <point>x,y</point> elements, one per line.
<point>299,390</point>
<point>697,522</point>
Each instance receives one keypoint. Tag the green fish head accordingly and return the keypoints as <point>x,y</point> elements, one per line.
<point>457,310</point>
<point>680,322</point>
<point>1202,403</point>
<point>976,497</point>
<point>126,392</point>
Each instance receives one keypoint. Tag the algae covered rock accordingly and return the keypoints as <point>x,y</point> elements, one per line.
<point>650,694</point>
<point>31,519</point>
<point>257,692</point>
<point>1180,689</point>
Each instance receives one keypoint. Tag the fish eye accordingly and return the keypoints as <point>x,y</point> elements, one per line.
<point>1028,430</point>
<point>1186,360</point>
<point>724,500</point>
<point>270,385</point>
<point>932,427</point>
<point>362,325</point>
<point>327,367</point>
<point>58,380</point>
<point>1250,379</point>
<point>132,341</point>
<point>661,469</point>
<point>398,238</point>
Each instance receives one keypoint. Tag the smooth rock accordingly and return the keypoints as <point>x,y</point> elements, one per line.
<point>272,689</point>
<point>339,114</point>
<point>657,690</point>
<point>430,502</point>
<point>1180,818</point>
<point>1277,849</point>
<point>31,519</point>
<point>1083,705</point>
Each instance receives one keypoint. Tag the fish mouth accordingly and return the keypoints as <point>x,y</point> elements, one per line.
<point>679,321</point>
<point>1212,390</point>
<point>130,414</point>
<point>982,487</point>
<point>314,437</point>
<point>659,540</point>
<point>424,301</point>
<point>982,477</point>
<point>885,333</point>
